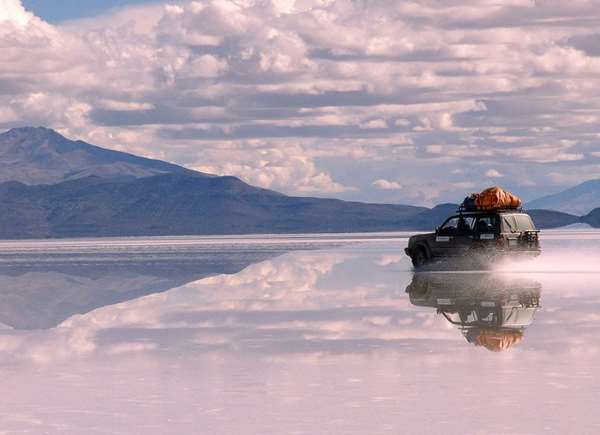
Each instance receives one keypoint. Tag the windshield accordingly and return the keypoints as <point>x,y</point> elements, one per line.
<point>457,225</point>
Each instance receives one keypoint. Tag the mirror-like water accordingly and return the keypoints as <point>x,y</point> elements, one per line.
<point>303,334</point>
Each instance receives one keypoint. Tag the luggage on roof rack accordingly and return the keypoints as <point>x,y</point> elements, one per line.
<point>493,198</point>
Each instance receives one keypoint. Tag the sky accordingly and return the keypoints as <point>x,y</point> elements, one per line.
<point>396,101</point>
<point>56,11</point>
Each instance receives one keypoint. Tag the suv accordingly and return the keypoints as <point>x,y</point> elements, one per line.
<point>481,234</point>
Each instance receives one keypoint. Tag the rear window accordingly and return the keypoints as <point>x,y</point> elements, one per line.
<point>518,223</point>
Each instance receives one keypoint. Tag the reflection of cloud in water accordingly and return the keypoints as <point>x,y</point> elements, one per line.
<point>309,342</point>
<point>387,260</point>
<point>338,301</point>
<point>41,295</point>
<point>279,305</point>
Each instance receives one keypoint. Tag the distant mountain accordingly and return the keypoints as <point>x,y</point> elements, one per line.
<point>42,156</point>
<point>180,205</point>
<point>55,187</point>
<point>578,200</point>
<point>545,219</point>
<point>592,218</point>
<point>428,219</point>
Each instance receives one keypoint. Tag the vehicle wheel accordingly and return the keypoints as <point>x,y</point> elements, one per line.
<point>419,258</point>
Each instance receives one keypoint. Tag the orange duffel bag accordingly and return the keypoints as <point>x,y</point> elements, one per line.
<point>494,198</point>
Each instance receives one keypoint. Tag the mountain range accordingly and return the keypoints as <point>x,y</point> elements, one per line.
<point>51,186</point>
<point>581,199</point>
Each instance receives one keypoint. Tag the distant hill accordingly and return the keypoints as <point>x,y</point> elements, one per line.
<point>428,219</point>
<point>175,204</point>
<point>39,155</point>
<point>51,186</point>
<point>578,200</point>
<point>592,218</point>
<point>180,205</point>
<point>545,219</point>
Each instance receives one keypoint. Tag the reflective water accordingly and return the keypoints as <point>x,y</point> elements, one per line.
<point>295,335</point>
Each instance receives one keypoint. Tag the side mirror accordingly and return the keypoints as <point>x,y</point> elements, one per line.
<point>437,229</point>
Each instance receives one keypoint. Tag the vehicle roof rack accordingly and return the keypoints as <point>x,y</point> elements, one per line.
<point>462,209</point>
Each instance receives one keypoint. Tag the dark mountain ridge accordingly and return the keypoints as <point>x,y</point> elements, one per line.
<point>55,187</point>
<point>592,218</point>
<point>174,204</point>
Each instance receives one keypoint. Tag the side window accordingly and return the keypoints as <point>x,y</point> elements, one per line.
<point>486,224</point>
<point>510,224</point>
<point>465,224</point>
<point>449,227</point>
<point>524,223</point>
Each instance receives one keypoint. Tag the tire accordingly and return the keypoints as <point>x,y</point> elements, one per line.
<point>419,258</point>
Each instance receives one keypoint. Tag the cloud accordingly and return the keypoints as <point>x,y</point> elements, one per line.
<point>274,168</point>
<point>590,44</point>
<point>493,173</point>
<point>12,12</point>
<point>334,101</point>
<point>387,185</point>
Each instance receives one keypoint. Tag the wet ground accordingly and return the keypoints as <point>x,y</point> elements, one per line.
<point>295,335</point>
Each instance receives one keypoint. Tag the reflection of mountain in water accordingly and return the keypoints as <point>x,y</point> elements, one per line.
<point>43,292</point>
<point>491,310</point>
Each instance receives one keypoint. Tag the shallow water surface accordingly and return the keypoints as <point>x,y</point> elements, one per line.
<point>318,334</point>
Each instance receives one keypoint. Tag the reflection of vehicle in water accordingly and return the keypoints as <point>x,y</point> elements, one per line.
<point>491,310</point>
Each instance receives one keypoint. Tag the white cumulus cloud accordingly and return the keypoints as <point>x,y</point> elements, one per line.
<point>319,96</point>
<point>493,173</point>
<point>387,184</point>
<point>12,12</point>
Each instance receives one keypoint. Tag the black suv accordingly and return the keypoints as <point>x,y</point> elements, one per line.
<point>477,234</point>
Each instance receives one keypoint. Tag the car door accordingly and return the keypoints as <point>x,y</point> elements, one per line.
<point>464,236</point>
<point>444,237</point>
<point>486,229</point>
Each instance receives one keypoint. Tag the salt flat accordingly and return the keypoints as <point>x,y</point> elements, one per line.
<point>314,334</point>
